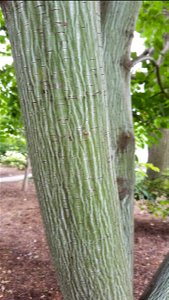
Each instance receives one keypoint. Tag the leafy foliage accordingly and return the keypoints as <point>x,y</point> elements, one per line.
<point>4,40</point>
<point>160,186</point>
<point>11,126</point>
<point>13,143</point>
<point>160,208</point>
<point>154,193</point>
<point>155,14</point>
<point>151,105</point>
<point>142,190</point>
<point>10,114</point>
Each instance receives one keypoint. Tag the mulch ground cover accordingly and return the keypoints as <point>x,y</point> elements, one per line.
<point>26,270</point>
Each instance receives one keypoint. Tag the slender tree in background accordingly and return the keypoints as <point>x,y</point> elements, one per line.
<point>158,155</point>
<point>72,65</point>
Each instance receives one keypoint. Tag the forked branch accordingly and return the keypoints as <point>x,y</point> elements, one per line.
<point>147,55</point>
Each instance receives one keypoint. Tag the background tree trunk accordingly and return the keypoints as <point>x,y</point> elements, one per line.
<point>26,175</point>
<point>158,155</point>
<point>57,49</point>
<point>158,289</point>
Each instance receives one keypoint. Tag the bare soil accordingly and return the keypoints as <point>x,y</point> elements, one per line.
<point>26,270</point>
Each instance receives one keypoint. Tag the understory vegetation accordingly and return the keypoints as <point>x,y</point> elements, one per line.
<point>152,195</point>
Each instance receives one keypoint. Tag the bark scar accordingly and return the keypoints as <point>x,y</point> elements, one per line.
<point>124,140</point>
<point>126,63</point>
<point>123,187</point>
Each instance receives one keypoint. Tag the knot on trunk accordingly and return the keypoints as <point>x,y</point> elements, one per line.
<point>124,188</point>
<point>124,140</point>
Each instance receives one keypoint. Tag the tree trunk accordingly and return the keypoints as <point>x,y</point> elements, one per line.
<point>158,155</point>
<point>119,31</point>
<point>26,175</point>
<point>158,289</point>
<point>57,50</point>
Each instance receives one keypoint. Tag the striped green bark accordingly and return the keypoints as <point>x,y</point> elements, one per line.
<point>118,23</point>
<point>57,50</point>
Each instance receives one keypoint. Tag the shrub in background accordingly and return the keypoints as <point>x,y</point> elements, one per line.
<point>14,159</point>
<point>154,193</point>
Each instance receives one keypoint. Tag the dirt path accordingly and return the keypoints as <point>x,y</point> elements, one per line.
<point>26,270</point>
<point>9,175</point>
